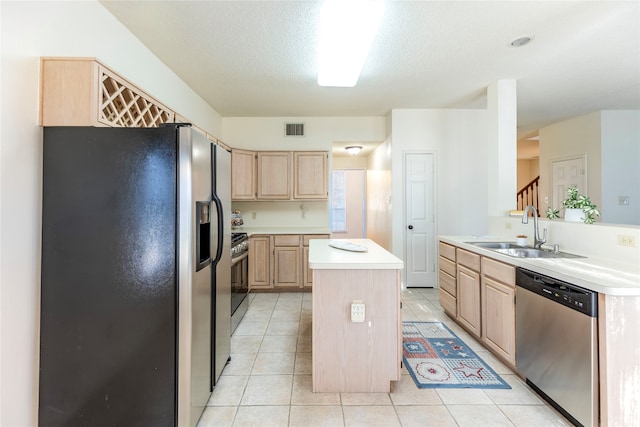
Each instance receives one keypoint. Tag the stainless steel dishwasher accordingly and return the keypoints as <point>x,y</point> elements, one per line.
<point>557,344</point>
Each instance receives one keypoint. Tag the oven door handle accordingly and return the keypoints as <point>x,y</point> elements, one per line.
<point>236,260</point>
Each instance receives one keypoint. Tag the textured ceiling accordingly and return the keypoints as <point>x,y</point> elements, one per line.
<point>258,58</point>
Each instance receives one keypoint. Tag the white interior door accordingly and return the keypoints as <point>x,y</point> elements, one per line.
<point>567,173</point>
<point>420,220</point>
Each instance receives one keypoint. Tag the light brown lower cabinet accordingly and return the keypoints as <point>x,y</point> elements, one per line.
<point>498,308</point>
<point>468,294</point>
<point>280,261</point>
<point>447,278</point>
<point>481,298</point>
<point>287,261</point>
<point>307,273</point>
<point>468,299</point>
<point>260,262</point>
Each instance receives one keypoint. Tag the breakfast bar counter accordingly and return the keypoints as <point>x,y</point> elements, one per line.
<point>357,318</point>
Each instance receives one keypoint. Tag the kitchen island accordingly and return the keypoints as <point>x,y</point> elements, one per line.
<point>354,353</point>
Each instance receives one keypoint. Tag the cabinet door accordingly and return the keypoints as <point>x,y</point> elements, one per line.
<point>243,175</point>
<point>274,175</point>
<point>310,175</point>
<point>499,318</point>
<point>286,264</point>
<point>468,299</point>
<point>259,262</point>
<point>307,279</point>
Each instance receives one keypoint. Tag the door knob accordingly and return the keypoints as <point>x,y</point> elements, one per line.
<point>411,227</point>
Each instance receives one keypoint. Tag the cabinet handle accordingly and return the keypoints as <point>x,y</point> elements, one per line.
<point>410,227</point>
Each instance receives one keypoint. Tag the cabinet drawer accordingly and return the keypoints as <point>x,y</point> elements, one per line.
<point>286,240</point>
<point>447,282</point>
<point>307,237</point>
<point>447,266</point>
<point>448,302</point>
<point>500,271</point>
<point>468,259</point>
<point>447,251</point>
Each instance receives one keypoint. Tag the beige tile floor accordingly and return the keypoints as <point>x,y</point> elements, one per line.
<point>268,381</point>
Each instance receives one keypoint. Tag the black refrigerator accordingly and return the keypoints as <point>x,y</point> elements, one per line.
<point>135,280</point>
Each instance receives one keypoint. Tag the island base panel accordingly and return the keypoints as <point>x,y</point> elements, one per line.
<point>356,357</point>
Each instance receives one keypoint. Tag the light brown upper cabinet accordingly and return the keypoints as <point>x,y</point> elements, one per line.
<point>279,175</point>
<point>243,175</point>
<point>84,92</point>
<point>274,175</point>
<point>310,175</point>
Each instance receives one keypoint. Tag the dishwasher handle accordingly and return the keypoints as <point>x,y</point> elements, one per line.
<point>567,294</point>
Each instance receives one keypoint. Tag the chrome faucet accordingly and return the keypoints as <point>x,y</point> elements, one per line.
<point>537,241</point>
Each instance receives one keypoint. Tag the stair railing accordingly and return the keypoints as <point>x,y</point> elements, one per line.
<point>528,195</point>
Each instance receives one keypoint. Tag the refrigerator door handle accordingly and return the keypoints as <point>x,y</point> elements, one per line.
<point>220,221</point>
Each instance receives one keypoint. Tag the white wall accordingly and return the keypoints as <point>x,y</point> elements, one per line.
<point>502,119</point>
<point>611,142</point>
<point>620,166</point>
<point>30,30</point>
<point>459,140</point>
<point>527,169</point>
<point>571,138</point>
<point>379,196</point>
<point>351,162</point>
<point>267,133</point>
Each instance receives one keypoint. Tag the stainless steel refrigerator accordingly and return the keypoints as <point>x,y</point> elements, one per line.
<point>135,282</point>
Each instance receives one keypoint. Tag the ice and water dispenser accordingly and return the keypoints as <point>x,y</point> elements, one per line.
<point>203,235</point>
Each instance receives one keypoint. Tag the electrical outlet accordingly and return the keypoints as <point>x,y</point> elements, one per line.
<point>508,225</point>
<point>626,240</point>
<point>357,311</point>
<point>253,215</point>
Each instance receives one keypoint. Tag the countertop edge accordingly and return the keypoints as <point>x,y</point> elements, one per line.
<point>324,257</point>
<point>559,268</point>
<point>256,231</point>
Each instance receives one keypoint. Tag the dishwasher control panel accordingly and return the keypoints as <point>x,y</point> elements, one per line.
<point>569,295</point>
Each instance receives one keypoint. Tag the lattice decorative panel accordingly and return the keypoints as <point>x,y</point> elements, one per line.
<point>122,105</point>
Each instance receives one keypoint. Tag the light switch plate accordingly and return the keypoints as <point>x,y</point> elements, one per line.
<point>357,311</point>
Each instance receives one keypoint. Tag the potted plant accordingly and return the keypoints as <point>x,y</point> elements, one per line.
<point>577,207</point>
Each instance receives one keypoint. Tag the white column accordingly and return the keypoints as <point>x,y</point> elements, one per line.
<point>502,140</point>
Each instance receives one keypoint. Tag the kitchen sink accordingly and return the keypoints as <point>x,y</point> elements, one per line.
<point>521,252</point>
<point>516,251</point>
<point>495,245</point>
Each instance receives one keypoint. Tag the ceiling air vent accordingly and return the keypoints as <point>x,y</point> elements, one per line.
<point>294,129</point>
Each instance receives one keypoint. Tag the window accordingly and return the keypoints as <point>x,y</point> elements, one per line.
<point>338,206</point>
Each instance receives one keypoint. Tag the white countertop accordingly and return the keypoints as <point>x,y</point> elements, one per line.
<point>596,274</point>
<point>324,257</point>
<point>281,230</point>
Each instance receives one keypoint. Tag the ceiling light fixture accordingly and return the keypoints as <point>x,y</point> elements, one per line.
<point>347,29</point>
<point>353,149</point>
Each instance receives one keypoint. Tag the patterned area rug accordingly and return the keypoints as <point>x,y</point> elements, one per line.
<point>436,357</point>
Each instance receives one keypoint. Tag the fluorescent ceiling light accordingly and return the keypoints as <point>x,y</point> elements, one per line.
<point>347,29</point>
<point>353,149</point>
